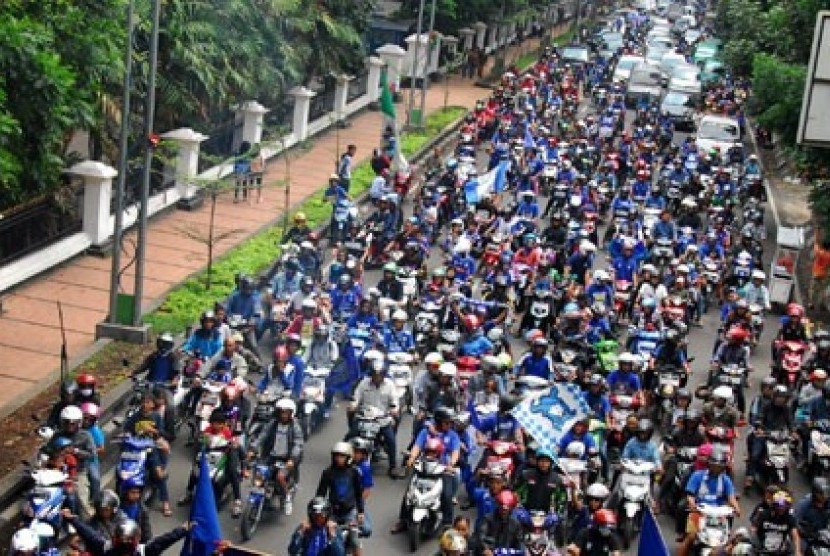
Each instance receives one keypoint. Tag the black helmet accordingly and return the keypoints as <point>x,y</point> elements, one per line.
<point>165,341</point>
<point>506,404</point>
<point>444,414</point>
<point>246,284</point>
<point>126,531</point>
<point>645,426</point>
<point>821,487</point>
<point>361,444</point>
<point>318,505</point>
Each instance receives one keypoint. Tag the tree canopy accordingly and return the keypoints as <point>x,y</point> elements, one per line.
<point>61,69</point>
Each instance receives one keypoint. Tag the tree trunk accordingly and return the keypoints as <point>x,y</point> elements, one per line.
<point>213,196</point>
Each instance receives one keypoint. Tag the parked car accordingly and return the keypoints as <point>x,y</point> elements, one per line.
<point>718,131</point>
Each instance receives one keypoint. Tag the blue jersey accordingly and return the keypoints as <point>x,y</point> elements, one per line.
<point>627,381</point>
<point>397,340</point>
<point>642,451</point>
<point>710,490</point>
<point>598,404</point>
<point>625,268</point>
<point>569,437</point>
<point>532,365</point>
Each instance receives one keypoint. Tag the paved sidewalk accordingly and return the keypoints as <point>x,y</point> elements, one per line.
<point>30,336</point>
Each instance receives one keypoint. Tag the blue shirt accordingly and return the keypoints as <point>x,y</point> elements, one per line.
<point>477,346</point>
<point>570,436</point>
<point>246,305</point>
<point>625,268</point>
<point>363,321</point>
<point>207,343</point>
<point>499,426</point>
<point>710,490</point>
<point>98,437</point>
<point>598,403</point>
<point>397,340</point>
<point>535,366</point>
<point>643,451</point>
<point>450,440</point>
<point>629,381</point>
<point>365,469</point>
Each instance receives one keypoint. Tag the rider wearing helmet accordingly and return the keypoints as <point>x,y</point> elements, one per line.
<point>776,527</point>
<point>711,486</point>
<point>538,484</point>
<point>389,285</point>
<point>579,435</point>
<point>813,511</point>
<point>345,298</point>
<point>642,447</point>
<point>107,514</point>
<point>720,410</point>
<point>204,342</point>
<point>282,441</point>
<point>317,534</point>
<point>246,302</point>
<point>735,351</point>
<point>793,329</point>
<point>686,435</point>
<point>625,378</point>
<point>361,452</point>
<point>597,399</point>
<point>299,232</point>
<point>476,343</point>
<point>595,496</point>
<point>126,539</point>
<point>756,291</point>
<point>376,393</point>
<point>396,337</point>
<point>500,529</point>
<point>599,537</point>
<point>84,449</point>
<point>774,416</point>
<point>536,361</point>
<point>341,485</point>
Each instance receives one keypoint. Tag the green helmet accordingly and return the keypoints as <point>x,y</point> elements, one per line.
<point>390,267</point>
<point>554,275</point>
<point>440,272</point>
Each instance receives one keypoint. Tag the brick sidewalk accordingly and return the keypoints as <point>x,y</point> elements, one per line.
<point>30,336</point>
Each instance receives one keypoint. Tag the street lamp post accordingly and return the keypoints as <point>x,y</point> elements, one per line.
<point>415,55</point>
<point>141,249</point>
<point>428,61</point>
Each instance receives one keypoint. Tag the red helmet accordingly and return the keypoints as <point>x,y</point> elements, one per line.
<point>795,310</point>
<point>280,353</point>
<point>605,517</point>
<point>507,500</point>
<point>435,446</point>
<point>737,334</point>
<point>471,322</point>
<point>85,379</point>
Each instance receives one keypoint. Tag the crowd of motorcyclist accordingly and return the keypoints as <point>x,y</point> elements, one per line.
<point>678,246</point>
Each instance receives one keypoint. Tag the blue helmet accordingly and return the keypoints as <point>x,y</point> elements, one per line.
<point>544,453</point>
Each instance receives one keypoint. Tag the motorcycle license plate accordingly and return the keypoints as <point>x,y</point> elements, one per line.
<point>734,380</point>
<point>671,380</point>
<point>368,428</point>
<point>353,246</point>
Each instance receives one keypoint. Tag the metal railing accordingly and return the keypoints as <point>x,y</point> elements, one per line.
<point>321,105</point>
<point>358,86</point>
<point>30,228</point>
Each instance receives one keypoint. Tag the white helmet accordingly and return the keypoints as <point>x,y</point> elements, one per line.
<point>722,393</point>
<point>627,357</point>
<point>448,369</point>
<point>495,335</point>
<point>433,358</point>
<point>400,314</point>
<point>463,246</point>
<point>692,248</point>
<point>374,292</point>
<point>684,268</point>
<point>597,490</point>
<point>343,449</point>
<point>72,413</point>
<point>587,247</point>
<point>372,354</point>
<point>25,540</point>
<point>648,267</point>
<point>601,275</point>
<point>286,404</point>
<point>759,274</point>
<point>309,304</point>
<point>575,450</point>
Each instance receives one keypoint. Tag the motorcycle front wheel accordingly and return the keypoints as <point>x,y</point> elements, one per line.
<point>413,532</point>
<point>251,515</point>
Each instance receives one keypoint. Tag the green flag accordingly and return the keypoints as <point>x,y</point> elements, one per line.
<point>387,104</point>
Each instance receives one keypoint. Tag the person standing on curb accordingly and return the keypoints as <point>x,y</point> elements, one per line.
<point>242,171</point>
<point>821,268</point>
<point>257,171</point>
<point>344,169</point>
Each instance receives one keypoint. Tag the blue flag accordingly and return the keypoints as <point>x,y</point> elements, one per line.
<point>529,141</point>
<point>345,373</point>
<point>651,539</point>
<point>204,537</point>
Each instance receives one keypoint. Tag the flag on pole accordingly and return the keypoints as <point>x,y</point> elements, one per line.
<point>205,535</point>
<point>652,542</point>
<point>547,416</point>
<point>390,121</point>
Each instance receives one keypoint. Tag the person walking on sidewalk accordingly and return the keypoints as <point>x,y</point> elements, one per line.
<point>344,169</point>
<point>242,171</point>
<point>470,63</point>
<point>821,268</point>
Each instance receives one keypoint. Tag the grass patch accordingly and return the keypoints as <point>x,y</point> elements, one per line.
<point>526,60</point>
<point>565,38</point>
<point>184,304</point>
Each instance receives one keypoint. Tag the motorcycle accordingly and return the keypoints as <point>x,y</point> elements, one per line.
<point>756,324</point>
<point>775,466</point>
<point>263,489</point>
<point>538,540</point>
<point>669,380</point>
<point>422,501</point>
<point>400,372</point>
<point>711,273</point>
<point>426,329</point>
<point>370,421</point>
<point>662,253</point>
<point>622,405</point>
<point>265,409</point>
<point>502,454</point>
<point>44,502</point>
<point>790,360</point>
<point>713,528</point>
<point>818,455</point>
<point>313,399</point>
<point>622,295</point>
<point>634,486</point>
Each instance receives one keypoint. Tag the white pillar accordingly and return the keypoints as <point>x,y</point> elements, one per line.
<point>253,114</point>
<point>373,80</point>
<point>392,55</point>
<point>422,42</point>
<point>452,46</point>
<point>492,38</point>
<point>302,102</point>
<point>511,35</point>
<point>481,29</point>
<point>467,35</point>
<point>97,178</point>
<point>341,95</point>
<point>528,26</point>
<point>435,52</point>
<point>188,143</point>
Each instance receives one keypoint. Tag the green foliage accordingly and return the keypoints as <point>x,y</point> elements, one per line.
<point>819,200</point>
<point>185,302</point>
<point>778,88</point>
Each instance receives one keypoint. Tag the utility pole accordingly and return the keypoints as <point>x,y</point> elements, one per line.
<point>123,142</point>
<point>141,249</point>
<point>425,80</point>
<point>501,52</point>
<point>415,55</point>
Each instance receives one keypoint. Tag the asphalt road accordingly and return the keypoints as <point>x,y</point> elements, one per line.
<point>275,530</point>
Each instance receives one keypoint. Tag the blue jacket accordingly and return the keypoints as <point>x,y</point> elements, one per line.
<point>535,366</point>
<point>344,303</point>
<point>477,346</point>
<point>629,381</point>
<point>598,404</point>
<point>369,322</point>
<point>283,284</point>
<point>644,451</point>
<point>625,268</point>
<point>248,305</point>
<point>315,542</point>
<point>397,341</point>
<point>569,437</point>
<point>207,345</point>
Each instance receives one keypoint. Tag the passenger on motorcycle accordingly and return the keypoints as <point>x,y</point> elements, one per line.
<point>345,298</point>
<point>246,303</point>
<point>642,447</point>
<point>395,336</point>
<point>146,422</point>
<point>625,265</point>
<point>711,486</point>
<point>365,318</point>
<point>579,263</point>
<point>536,362</point>
<point>318,535</point>
<point>595,496</point>
<point>712,247</point>
<point>597,538</point>
<point>342,486</point>
<point>287,282</point>
<point>205,340</point>
<point>503,426</point>
<point>686,434</point>
<point>289,376</point>
<point>599,328</point>
<point>448,451</point>
<point>500,529</point>
<point>445,392</point>
<point>776,529</point>
<point>579,435</point>
<point>537,485</point>
<point>126,538</point>
<point>625,379</point>
<point>488,484</point>
<point>476,343</point>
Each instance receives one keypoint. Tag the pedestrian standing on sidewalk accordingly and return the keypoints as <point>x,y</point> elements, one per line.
<point>257,172</point>
<point>242,171</point>
<point>481,61</point>
<point>470,63</point>
<point>344,169</point>
<point>821,269</point>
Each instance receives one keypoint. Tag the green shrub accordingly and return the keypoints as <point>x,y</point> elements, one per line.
<point>185,303</point>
